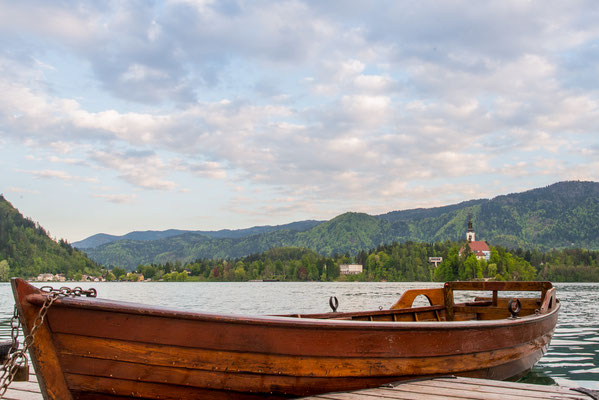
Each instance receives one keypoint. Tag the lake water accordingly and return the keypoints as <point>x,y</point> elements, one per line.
<point>572,360</point>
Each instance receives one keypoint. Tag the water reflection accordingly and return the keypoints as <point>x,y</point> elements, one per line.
<point>572,359</point>
<point>538,377</point>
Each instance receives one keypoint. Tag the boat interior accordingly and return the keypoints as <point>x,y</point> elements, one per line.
<point>518,303</point>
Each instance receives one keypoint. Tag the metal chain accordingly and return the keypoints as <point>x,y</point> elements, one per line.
<point>18,357</point>
<point>8,370</point>
<point>66,291</point>
<point>15,324</point>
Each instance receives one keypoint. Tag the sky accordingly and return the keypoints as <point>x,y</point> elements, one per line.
<point>204,115</point>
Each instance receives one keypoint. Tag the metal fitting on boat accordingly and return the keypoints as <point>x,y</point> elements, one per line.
<point>514,306</point>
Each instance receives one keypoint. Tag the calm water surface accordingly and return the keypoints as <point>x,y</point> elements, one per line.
<point>572,360</point>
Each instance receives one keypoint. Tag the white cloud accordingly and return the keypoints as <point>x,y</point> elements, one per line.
<point>62,147</point>
<point>210,169</point>
<point>371,109</point>
<point>373,83</point>
<point>16,189</point>
<point>71,161</point>
<point>116,198</point>
<point>145,170</point>
<point>137,72</point>
<point>61,175</point>
<point>74,25</point>
<point>347,69</point>
<point>519,169</point>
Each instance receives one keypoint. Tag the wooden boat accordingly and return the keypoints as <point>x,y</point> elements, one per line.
<point>90,348</point>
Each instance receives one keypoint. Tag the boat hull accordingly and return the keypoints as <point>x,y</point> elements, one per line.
<point>128,350</point>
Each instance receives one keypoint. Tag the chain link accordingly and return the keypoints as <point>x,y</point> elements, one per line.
<point>18,357</point>
<point>10,365</point>
<point>66,291</point>
<point>14,330</point>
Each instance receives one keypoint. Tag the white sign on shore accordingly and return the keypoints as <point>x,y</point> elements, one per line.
<point>435,260</point>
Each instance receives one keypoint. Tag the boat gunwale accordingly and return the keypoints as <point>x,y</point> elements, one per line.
<point>131,308</point>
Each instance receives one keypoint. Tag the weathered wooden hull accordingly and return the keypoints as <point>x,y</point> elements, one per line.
<point>94,348</point>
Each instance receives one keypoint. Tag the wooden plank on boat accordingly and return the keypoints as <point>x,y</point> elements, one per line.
<point>458,388</point>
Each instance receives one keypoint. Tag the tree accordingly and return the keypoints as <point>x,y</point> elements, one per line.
<point>181,276</point>
<point>4,271</point>
<point>148,271</point>
<point>312,272</point>
<point>239,272</point>
<point>332,268</point>
<point>302,273</point>
<point>118,272</point>
<point>448,270</point>
<point>491,270</point>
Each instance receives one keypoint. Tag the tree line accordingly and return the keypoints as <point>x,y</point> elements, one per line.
<point>395,262</point>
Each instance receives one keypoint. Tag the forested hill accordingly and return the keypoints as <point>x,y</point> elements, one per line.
<point>29,251</point>
<point>562,215</point>
<point>103,238</point>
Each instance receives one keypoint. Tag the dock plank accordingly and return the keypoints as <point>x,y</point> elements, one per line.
<point>458,388</point>
<point>23,391</point>
<point>474,393</point>
<point>508,384</point>
<point>18,395</point>
<point>375,394</point>
<point>27,390</point>
<point>488,390</point>
<point>433,389</point>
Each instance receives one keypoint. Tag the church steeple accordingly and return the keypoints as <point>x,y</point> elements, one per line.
<point>470,236</point>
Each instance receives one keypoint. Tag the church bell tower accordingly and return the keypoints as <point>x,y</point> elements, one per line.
<point>470,236</point>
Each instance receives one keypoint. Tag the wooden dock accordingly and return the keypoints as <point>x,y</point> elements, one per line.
<point>434,389</point>
<point>457,388</point>
<point>24,390</point>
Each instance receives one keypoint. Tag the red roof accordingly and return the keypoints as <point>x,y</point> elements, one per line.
<point>478,246</point>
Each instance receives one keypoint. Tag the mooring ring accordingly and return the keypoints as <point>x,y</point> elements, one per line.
<point>514,306</point>
<point>334,303</point>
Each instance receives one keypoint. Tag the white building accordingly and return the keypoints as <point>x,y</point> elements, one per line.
<point>45,277</point>
<point>350,269</point>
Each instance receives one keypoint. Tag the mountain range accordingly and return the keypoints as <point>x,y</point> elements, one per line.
<point>103,238</point>
<point>565,214</point>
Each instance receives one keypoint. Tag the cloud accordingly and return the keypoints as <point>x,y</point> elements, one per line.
<point>16,189</point>
<point>65,22</point>
<point>209,169</point>
<point>70,161</point>
<point>62,147</point>
<point>373,83</point>
<point>116,198</point>
<point>61,175</point>
<point>142,169</point>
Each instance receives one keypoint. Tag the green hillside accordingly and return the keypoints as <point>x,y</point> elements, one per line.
<point>349,232</point>
<point>28,250</point>
<point>103,238</point>
<point>559,216</point>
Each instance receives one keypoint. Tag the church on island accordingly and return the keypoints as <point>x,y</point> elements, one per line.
<point>479,248</point>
